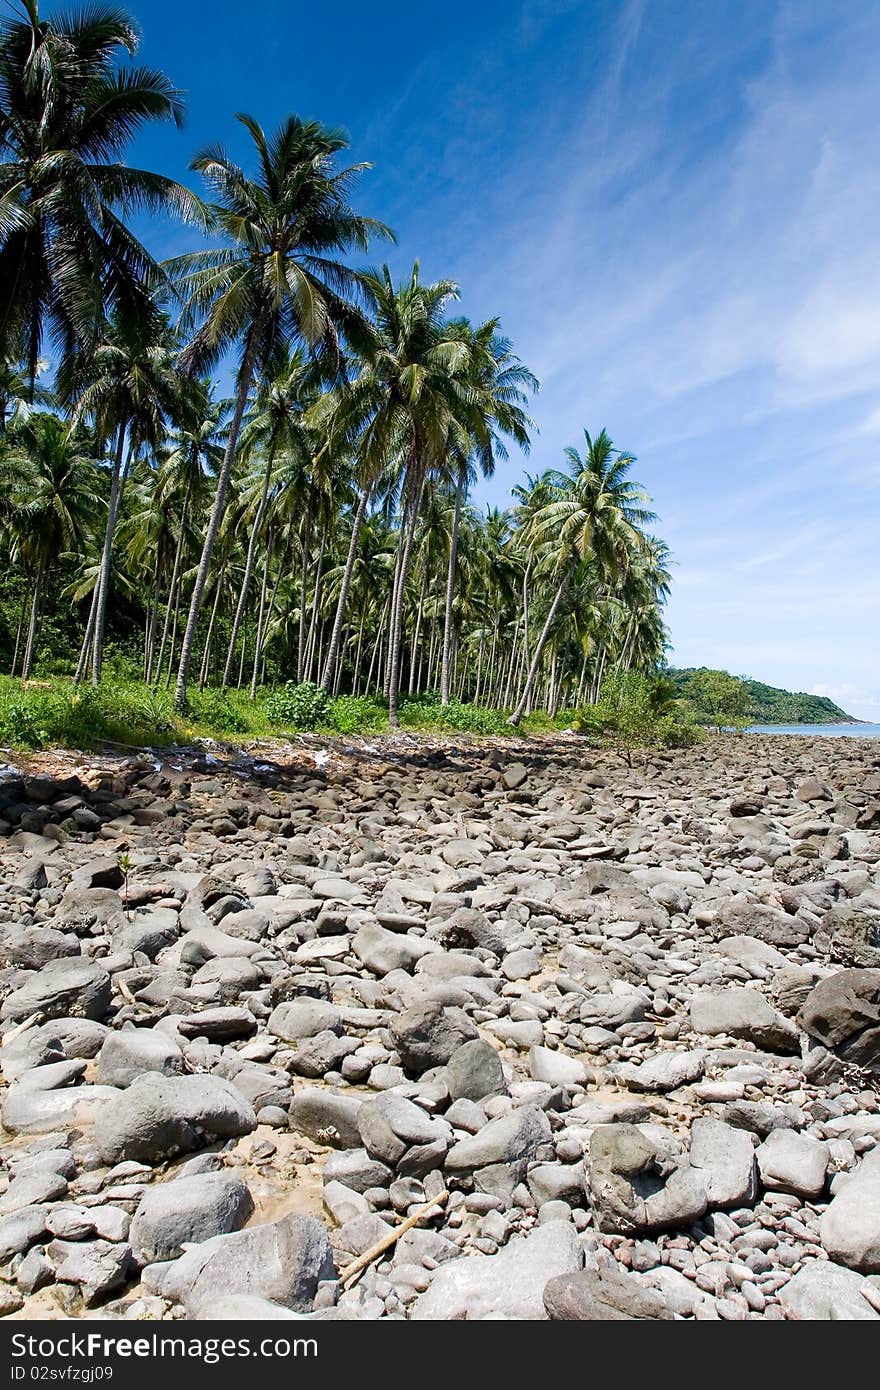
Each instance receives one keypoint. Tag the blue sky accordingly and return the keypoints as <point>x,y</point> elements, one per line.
<point>673,208</point>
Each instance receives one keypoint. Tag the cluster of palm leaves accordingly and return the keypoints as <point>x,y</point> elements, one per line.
<point>316,526</point>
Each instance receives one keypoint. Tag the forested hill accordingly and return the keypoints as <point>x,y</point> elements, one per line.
<point>768,704</point>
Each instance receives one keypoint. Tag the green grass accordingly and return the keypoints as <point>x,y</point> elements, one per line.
<point>56,713</point>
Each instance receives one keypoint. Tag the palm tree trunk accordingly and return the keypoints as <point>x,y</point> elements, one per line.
<point>150,633</point>
<point>536,659</point>
<point>415,650</point>
<point>346,584</point>
<point>82,663</point>
<point>258,641</point>
<point>106,555</point>
<point>173,591</point>
<point>245,379</point>
<point>206,654</point>
<point>313,619</point>
<point>21,612</point>
<point>397,613</point>
<point>356,679</point>
<point>450,589</point>
<point>32,624</point>
<point>303,576</point>
<point>248,571</point>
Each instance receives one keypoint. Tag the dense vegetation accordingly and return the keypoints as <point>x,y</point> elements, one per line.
<point>740,699</point>
<point>314,529</point>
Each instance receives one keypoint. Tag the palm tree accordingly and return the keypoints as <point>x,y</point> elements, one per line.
<point>132,386</point>
<point>399,410</point>
<point>194,454</point>
<point>596,511</point>
<point>67,114</point>
<point>274,428</point>
<point>494,387</point>
<point>276,278</point>
<point>53,494</point>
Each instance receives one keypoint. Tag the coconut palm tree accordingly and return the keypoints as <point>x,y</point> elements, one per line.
<point>131,387</point>
<point>68,112</point>
<point>274,428</point>
<point>53,494</point>
<point>494,395</point>
<point>193,455</point>
<point>596,510</point>
<point>399,411</point>
<point>274,278</point>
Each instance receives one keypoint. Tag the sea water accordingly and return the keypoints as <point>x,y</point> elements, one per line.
<point>818,730</point>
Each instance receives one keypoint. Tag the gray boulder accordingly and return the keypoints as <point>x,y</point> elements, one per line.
<point>634,1188</point>
<point>792,1162</point>
<point>843,1012</point>
<point>128,1054</point>
<point>513,1139</point>
<point>825,1292</point>
<point>30,948</point>
<point>97,1266</point>
<point>72,987</point>
<point>743,1013</point>
<point>850,1225</point>
<point>295,1019</point>
<point>383,951</point>
<point>509,1285</point>
<point>602,1295</point>
<point>162,1115</point>
<point>427,1035</point>
<point>327,1118</point>
<point>474,1071</point>
<point>283,1262</point>
<point>187,1211</point>
<point>726,1159</point>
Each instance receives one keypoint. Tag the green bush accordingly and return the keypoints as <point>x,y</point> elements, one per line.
<point>298,706</point>
<point>638,712</point>
<point>24,724</point>
<point>455,717</point>
<point>354,714</point>
<point>216,709</point>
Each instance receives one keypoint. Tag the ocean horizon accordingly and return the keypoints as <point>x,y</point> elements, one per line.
<point>818,730</point>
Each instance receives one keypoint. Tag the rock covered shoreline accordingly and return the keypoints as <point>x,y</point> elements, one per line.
<point>621,1027</point>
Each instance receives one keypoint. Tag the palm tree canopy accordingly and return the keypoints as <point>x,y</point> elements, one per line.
<point>276,273</point>
<point>68,111</point>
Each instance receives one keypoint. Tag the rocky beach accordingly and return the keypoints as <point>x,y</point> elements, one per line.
<point>410,1030</point>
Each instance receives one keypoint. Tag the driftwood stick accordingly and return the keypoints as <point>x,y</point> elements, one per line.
<point>20,1028</point>
<point>352,1271</point>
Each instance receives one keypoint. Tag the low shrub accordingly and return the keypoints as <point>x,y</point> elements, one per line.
<point>215,709</point>
<point>300,706</point>
<point>356,714</point>
<point>456,717</point>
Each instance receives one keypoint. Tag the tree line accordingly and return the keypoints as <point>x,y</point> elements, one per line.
<point>317,526</point>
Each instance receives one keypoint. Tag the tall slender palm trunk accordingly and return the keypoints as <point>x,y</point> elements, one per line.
<point>303,578</point>
<point>245,380</point>
<point>450,588</point>
<point>536,659</point>
<point>174,588</point>
<point>248,571</point>
<point>258,640</point>
<point>396,626</point>
<point>106,556</point>
<point>27,662</point>
<point>344,587</point>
